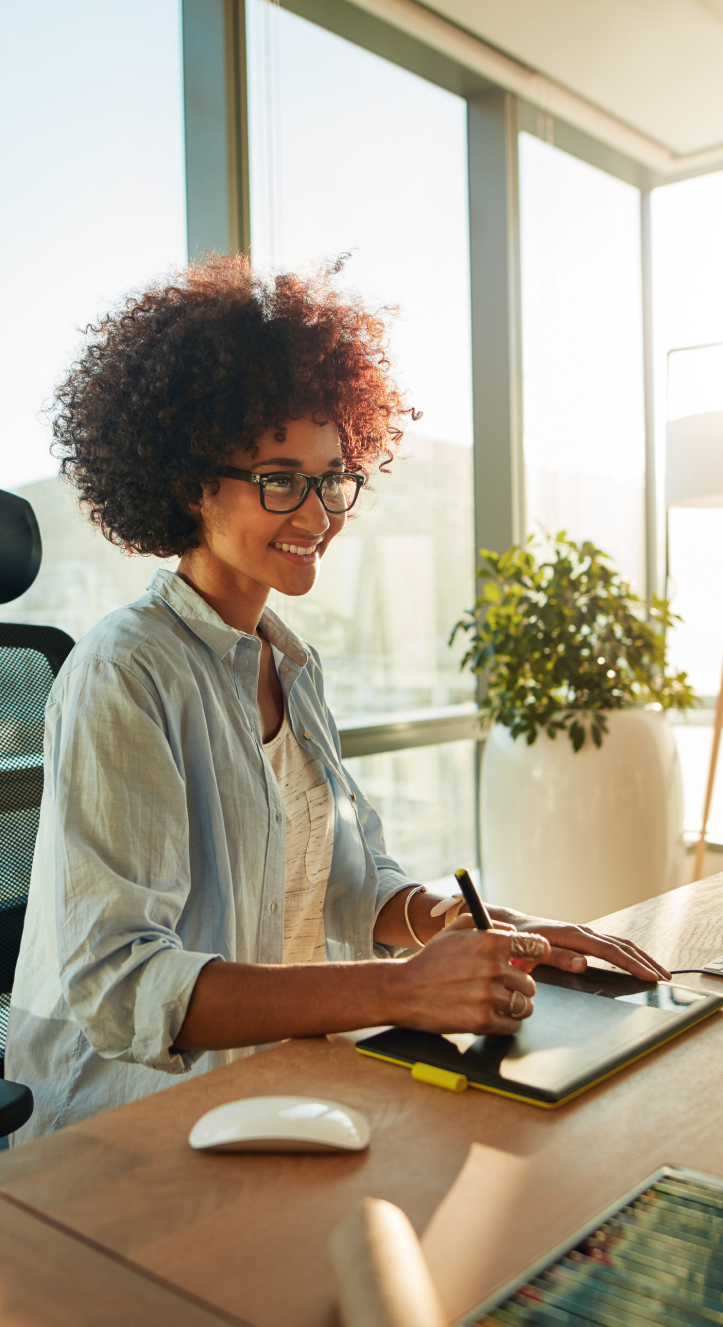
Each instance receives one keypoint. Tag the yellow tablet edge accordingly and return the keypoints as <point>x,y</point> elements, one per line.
<point>553,1105</point>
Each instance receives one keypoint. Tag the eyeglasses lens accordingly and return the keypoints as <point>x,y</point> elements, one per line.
<point>285,492</point>
<point>338,492</point>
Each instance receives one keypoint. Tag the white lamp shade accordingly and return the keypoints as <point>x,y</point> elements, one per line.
<point>694,461</point>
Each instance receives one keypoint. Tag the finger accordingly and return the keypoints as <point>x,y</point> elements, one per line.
<point>631,959</point>
<point>566,959</point>
<point>534,947</point>
<point>521,1006</point>
<point>463,922</point>
<point>515,1004</point>
<point>623,953</point>
<point>510,979</point>
<point>614,949</point>
<point>636,952</point>
<point>629,946</point>
<point>500,1025</point>
<point>495,947</point>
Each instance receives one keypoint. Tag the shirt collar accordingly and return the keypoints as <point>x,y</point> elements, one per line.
<point>283,638</point>
<point>205,622</point>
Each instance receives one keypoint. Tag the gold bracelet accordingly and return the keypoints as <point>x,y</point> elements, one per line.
<point>419,889</point>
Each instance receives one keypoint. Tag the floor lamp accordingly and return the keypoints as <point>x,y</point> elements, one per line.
<point>694,478</point>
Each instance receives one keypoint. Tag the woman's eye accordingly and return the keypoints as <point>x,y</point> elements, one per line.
<point>279,483</point>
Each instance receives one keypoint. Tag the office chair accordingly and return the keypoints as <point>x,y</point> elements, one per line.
<point>30,658</point>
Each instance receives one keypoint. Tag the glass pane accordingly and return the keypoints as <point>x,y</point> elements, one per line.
<point>694,740</point>
<point>426,800</point>
<point>351,154</point>
<point>695,381</point>
<point>688,312</point>
<point>582,354</point>
<point>93,205</point>
<point>694,584</point>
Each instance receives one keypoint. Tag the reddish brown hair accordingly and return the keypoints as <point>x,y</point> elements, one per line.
<point>185,373</point>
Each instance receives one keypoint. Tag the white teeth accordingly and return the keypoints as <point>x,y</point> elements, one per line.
<point>295,548</point>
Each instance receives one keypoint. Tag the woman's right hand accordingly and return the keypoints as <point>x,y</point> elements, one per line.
<point>463,981</point>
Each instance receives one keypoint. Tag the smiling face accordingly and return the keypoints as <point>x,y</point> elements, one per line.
<point>245,550</point>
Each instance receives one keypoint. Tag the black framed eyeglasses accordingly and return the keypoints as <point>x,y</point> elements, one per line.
<point>286,490</point>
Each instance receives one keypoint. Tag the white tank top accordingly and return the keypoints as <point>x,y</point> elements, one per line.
<point>309,805</point>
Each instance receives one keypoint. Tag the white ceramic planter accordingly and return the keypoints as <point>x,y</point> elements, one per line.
<point>577,835</point>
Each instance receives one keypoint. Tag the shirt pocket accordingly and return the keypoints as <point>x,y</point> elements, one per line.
<point>320,802</point>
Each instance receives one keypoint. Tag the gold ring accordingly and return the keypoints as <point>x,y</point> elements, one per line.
<point>526,1004</point>
<point>527,946</point>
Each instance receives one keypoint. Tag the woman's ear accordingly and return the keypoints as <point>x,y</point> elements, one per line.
<point>189,493</point>
<point>209,489</point>
<point>194,506</point>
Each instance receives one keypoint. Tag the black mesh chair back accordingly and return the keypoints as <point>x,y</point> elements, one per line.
<point>21,548</point>
<point>30,658</point>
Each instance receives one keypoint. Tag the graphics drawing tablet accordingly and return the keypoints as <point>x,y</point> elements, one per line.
<point>583,1029</point>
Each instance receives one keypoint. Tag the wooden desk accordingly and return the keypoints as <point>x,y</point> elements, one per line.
<point>53,1278</point>
<point>249,1234</point>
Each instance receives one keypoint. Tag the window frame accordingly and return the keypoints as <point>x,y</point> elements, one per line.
<point>217,186</point>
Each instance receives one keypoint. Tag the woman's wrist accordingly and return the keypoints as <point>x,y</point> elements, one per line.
<point>424,924</point>
<point>406,921</point>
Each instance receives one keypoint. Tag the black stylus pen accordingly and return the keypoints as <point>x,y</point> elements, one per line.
<point>480,915</point>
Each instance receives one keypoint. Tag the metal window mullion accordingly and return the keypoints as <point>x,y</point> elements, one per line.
<point>496,321</point>
<point>216,126</point>
<point>494,216</point>
<point>237,116</point>
<point>652,559</point>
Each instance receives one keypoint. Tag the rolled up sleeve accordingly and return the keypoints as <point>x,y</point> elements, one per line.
<point>122,865</point>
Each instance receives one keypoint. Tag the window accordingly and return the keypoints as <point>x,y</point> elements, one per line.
<point>584,431</point>
<point>351,154</point>
<point>94,206</point>
<point>426,799</point>
<point>688,312</point>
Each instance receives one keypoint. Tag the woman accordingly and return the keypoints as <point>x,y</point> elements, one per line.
<point>207,877</point>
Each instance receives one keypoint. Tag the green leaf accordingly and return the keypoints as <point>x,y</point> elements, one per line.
<point>541,623</point>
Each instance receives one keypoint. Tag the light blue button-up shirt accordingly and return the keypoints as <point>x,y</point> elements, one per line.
<point>161,846</point>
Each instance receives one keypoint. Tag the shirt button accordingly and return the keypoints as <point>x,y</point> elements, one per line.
<point>353,797</point>
<point>273,906</point>
<point>307,735</point>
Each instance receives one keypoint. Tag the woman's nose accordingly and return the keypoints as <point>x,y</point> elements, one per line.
<point>311,516</point>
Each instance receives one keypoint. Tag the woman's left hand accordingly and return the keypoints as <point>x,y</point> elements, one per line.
<point>569,945</point>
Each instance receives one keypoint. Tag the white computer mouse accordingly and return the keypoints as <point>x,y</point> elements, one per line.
<point>282,1124</point>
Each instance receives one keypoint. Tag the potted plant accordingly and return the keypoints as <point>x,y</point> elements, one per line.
<point>581,801</point>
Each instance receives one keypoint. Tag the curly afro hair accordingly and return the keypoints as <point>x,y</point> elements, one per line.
<point>186,373</point>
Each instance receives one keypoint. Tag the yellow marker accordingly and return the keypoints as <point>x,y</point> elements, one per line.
<point>427,1073</point>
